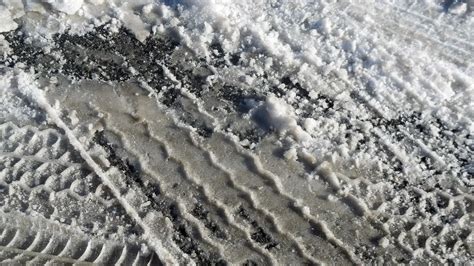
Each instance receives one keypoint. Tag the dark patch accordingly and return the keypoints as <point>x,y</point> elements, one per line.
<point>448,4</point>
<point>430,207</point>
<point>239,97</point>
<point>279,92</point>
<point>328,102</point>
<point>201,129</point>
<point>235,59</point>
<point>259,235</point>
<point>4,189</point>
<point>99,55</point>
<point>186,243</point>
<point>202,214</point>
<point>243,213</point>
<point>124,166</point>
<point>253,135</point>
<point>427,162</point>
<point>250,263</point>
<point>300,91</point>
<point>25,52</point>
<point>217,50</point>
<point>169,97</point>
<point>401,185</point>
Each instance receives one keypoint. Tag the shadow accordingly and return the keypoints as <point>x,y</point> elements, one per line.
<point>174,3</point>
<point>447,4</point>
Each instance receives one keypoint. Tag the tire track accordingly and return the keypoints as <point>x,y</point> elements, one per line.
<point>179,168</point>
<point>143,205</point>
<point>388,136</point>
<point>55,188</point>
<point>319,227</point>
<point>272,181</point>
<point>436,23</point>
<point>230,248</point>
<point>415,68</point>
<point>36,96</point>
<point>327,234</point>
<point>380,135</point>
<point>165,124</point>
<point>29,245</point>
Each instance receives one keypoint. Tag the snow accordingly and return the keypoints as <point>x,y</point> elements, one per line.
<point>12,106</point>
<point>133,22</point>
<point>69,7</point>
<point>278,115</point>
<point>6,20</point>
<point>379,102</point>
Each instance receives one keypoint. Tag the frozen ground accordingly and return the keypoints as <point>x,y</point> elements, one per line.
<point>236,132</point>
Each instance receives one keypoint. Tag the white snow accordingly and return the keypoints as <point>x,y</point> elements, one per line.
<point>278,115</point>
<point>12,106</point>
<point>6,20</point>
<point>69,7</point>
